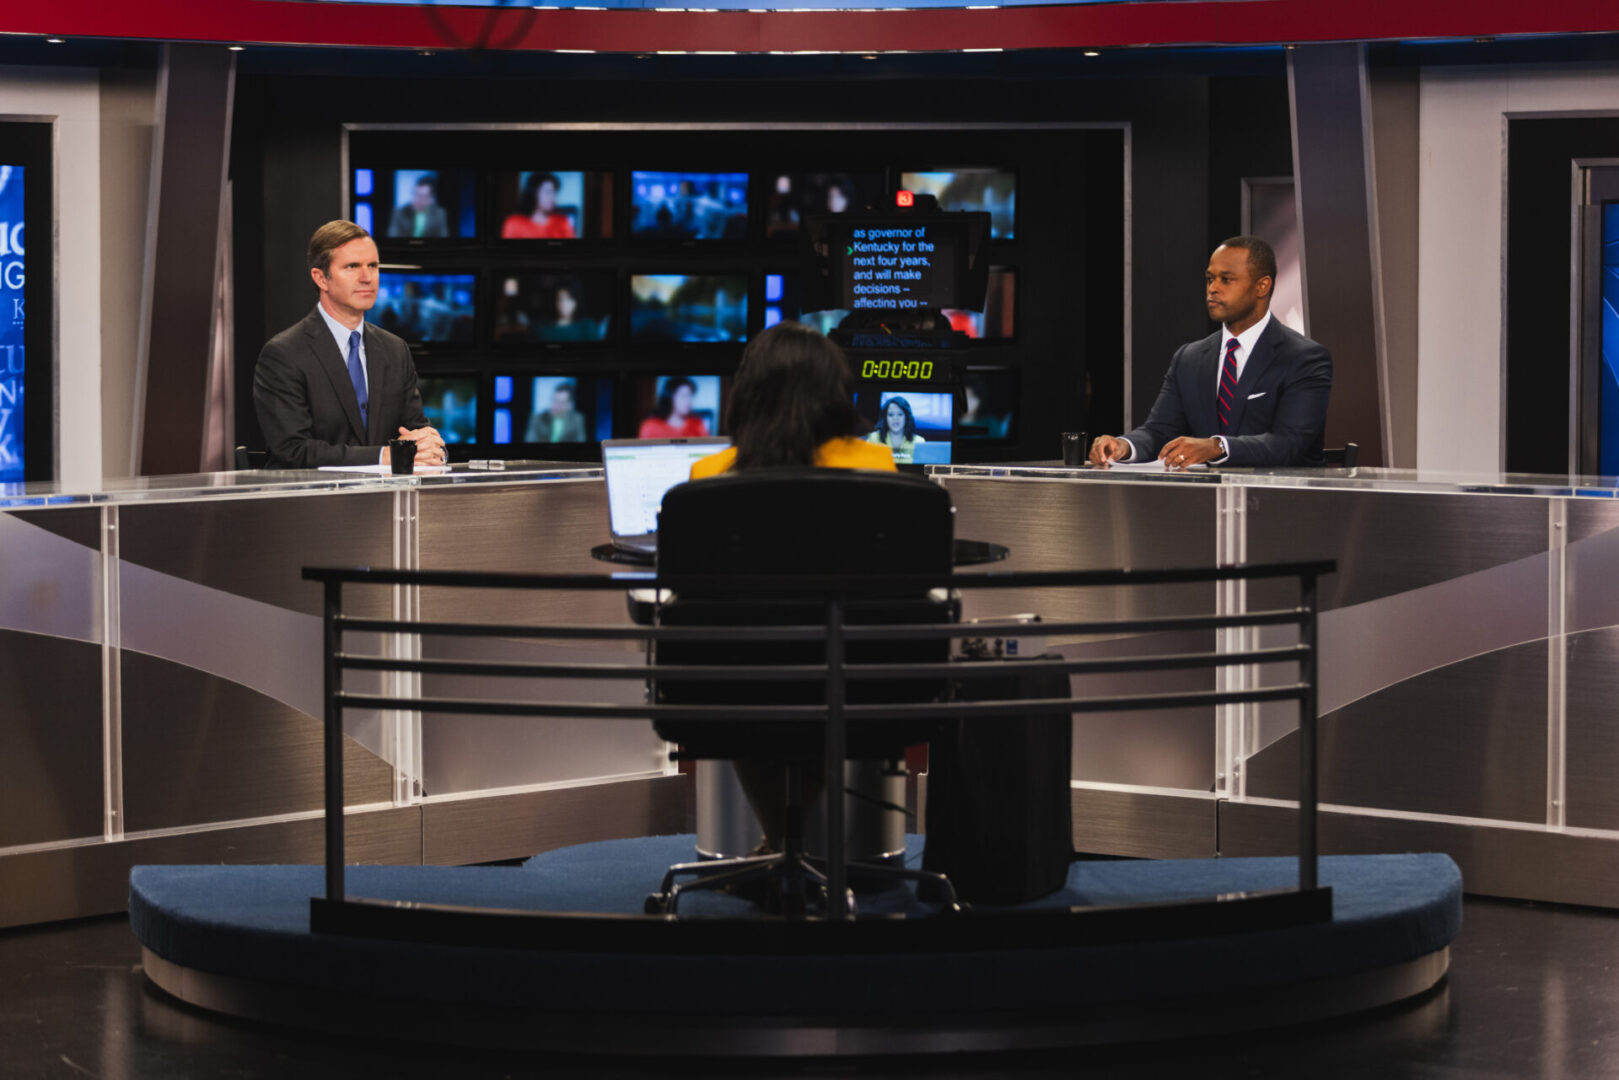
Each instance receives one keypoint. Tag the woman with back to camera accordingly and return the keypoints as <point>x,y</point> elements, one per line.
<point>792,404</point>
<point>897,431</point>
<point>672,416</point>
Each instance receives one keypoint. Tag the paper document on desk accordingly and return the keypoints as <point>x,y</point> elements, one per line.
<point>1146,466</point>
<point>383,470</point>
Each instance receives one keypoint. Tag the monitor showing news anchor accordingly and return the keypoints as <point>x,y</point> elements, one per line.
<point>689,205</point>
<point>551,409</point>
<point>915,424</point>
<point>553,204</point>
<point>426,308</point>
<point>450,403</point>
<point>567,307</point>
<point>416,205</point>
<point>678,406</point>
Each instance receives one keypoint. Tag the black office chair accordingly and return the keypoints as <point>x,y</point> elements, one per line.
<point>1343,458</point>
<point>250,459</point>
<point>800,522</point>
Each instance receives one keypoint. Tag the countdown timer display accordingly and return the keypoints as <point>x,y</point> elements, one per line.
<point>897,369</point>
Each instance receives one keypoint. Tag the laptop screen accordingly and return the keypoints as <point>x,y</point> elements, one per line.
<point>638,474</point>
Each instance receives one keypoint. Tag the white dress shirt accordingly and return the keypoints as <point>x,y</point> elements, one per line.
<point>340,334</point>
<point>1245,348</point>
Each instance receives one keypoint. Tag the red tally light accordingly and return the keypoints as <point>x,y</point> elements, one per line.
<point>904,198</point>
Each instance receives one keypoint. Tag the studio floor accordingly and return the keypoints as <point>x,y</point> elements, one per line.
<point>1533,992</point>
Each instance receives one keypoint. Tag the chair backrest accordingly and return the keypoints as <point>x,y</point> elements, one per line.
<point>790,522</point>
<point>811,521</point>
<point>1343,458</point>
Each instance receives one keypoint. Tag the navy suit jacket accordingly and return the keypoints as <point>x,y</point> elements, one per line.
<point>1280,408</point>
<point>306,403</point>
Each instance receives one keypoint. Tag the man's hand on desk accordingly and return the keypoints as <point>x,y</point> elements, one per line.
<point>1184,452</point>
<point>429,445</point>
<point>1107,449</point>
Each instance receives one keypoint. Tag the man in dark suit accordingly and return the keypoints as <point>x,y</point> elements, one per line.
<point>332,390</point>
<point>1252,393</point>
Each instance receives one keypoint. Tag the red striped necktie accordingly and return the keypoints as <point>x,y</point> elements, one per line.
<point>1228,386</point>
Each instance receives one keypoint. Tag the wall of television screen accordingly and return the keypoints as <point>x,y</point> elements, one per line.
<point>552,305</point>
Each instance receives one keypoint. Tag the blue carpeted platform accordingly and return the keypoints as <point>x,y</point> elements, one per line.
<point>252,922</point>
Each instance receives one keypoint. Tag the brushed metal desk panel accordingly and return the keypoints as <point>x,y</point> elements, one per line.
<point>80,525</point>
<point>50,739</point>
<point>1079,525</point>
<point>258,548</point>
<point>1145,825</point>
<point>1592,777</point>
<point>544,528</point>
<point>1167,748</point>
<point>526,528</point>
<point>1387,542</point>
<point>1593,563</point>
<point>462,753</point>
<point>1095,525</point>
<point>1467,739</point>
<point>198,748</point>
<point>461,831</point>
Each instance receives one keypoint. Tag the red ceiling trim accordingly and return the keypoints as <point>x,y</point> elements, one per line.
<point>1150,22</point>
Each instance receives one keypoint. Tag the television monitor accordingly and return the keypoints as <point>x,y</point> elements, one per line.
<point>692,308</point>
<point>416,206</point>
<point>551,409</point>
<point>426,308</point>
<point>994,191</point>
<point>689,205</point>
<point>987,407</point>
<point>795,195</point>
<point>678,406</point>
<point>570,307</point>
<point>915,424</point>
<point>998,319</point>
<point>451,405</point>
<point>552,205</point>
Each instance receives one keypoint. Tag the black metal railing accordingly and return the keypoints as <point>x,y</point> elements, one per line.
<point>834,592</point>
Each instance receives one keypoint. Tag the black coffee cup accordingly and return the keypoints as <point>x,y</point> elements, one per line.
<point>402,456</point>
<point>1075,446</point>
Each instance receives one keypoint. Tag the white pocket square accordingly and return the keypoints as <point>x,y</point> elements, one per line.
<point>1261,394</point>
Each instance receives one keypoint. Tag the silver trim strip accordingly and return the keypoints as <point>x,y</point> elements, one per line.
<point>112,689</point>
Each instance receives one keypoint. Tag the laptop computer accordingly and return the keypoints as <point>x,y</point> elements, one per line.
<point>638,473</point>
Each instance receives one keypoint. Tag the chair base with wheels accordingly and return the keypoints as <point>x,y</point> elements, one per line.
<point>788,880</point>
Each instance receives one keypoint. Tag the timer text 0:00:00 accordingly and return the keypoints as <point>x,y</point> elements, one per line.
<point>897,369</point>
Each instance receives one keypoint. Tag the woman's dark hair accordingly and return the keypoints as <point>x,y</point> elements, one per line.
<point>909,434</point>
<point>793,392</point>
<point>529,200</point>
<point>666,396</point>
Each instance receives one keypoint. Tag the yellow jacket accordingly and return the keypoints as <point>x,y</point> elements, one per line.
<point>845,453</point>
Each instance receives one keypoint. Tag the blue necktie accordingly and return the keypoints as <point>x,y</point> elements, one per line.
<point>357,376</point>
